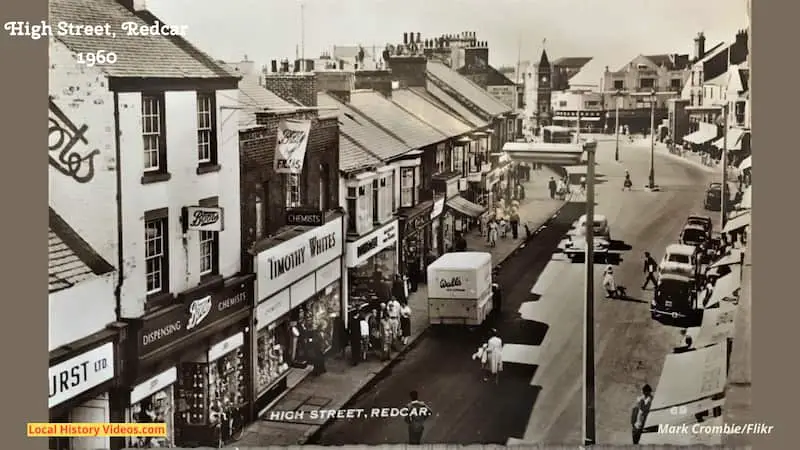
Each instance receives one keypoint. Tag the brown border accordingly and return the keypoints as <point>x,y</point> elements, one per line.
<point>24,329</point>
<point>25,81</point>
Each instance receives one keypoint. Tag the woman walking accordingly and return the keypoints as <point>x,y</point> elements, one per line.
<point>494,356</point>
<point>405,322</point>
<point>492,233</point>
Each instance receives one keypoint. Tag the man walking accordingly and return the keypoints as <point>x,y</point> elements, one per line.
<point>639,412</point>
<point>418,413</point>
<point>551,185</point>
<point>650,267</point>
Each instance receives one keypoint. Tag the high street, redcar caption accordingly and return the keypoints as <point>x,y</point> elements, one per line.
<point>36,31</point>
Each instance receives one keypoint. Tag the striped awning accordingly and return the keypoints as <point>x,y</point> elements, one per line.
<point>700,136</point>
<point>734,143</point>
<point>735,223</point>
<point>465,207</point>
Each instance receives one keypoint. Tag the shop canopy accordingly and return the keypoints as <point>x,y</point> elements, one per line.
<point>692,380</point>
<point>746,163</point>
<point>734,257</point>
<point>736,223</point>
<point>735,138</point>
<point>576,170</point>
<point>545,153</point>
<point>465,207</point>
<point>700,136</point>
<point>725,287</point>
<point>718,325</point>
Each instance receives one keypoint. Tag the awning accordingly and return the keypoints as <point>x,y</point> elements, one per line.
<point>700,136</point>
<point>747,199</point>
<point>734,257</point>
<point>557,154</point>
<point>734,143</point>
<point>689,379</point>
<point>735,223</point>
<point>725,287</point>
<point>718,325</point>
<point>576,170</point>
<point>465,207</point>
<point>575,118</point>
<point>746,163</point>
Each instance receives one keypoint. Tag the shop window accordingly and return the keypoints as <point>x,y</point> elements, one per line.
<point>292,186</point>
<point>473,159</point>
<point>320,314</point>
<point>509,129</point>
<point>352,200</point>
<point>372,280</point>
<point>647,83</point>
<point>619,85</point>
<point>562,104</point>
<point>408,185</point>
<point>156,252</point>
<point>441,158</point>
<point>206,129</point>
<point>272,355</point>
<point>156,408</point>
<point>209,253</point>
<point>457,159</point>
<point>154,138</point>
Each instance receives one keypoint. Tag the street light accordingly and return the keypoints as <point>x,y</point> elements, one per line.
<point>589,433</point>
<point>723,199</point>
<point>653,96</point>
<point>616,124</point>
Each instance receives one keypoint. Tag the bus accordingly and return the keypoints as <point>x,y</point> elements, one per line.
<point>553,134</point>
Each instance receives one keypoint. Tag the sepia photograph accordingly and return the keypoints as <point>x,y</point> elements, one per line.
<point>372,222</point>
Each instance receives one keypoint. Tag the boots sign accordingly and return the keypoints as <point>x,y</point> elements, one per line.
<point>199,218</point>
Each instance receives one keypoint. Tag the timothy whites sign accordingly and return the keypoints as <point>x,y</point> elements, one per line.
<point>290,145</point>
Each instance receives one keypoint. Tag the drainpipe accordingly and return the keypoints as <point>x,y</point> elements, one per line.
<point>120,259</point>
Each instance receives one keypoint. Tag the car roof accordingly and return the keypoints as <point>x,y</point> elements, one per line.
<point>681,249</point>
<point>675,277</point>
<point>693,226</point>
<point>698,217</point>
<point>597,218</point>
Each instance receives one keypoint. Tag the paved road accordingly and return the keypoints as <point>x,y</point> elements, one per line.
<point>539,395</point>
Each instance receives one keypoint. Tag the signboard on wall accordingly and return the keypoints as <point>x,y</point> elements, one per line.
<point>371,244</point>
<point>290,145</point>
<point>77,375</point>
<point>305,217</point>
<point>506,94</point>
<point>282,265</point>
<point>200,218</point>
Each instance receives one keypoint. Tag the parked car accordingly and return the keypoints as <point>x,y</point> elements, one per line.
<point>714,196</point>
<point>694,235</point>
<point>676,298</point>
<point>575,248</point>
<point>681,259</point>
<point>703,221</point>
<point>601,227</point>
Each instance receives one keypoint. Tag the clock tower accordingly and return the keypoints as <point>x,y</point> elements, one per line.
<point>543,74</point>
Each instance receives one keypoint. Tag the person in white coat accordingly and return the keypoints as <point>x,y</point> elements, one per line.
<point>494,356</point>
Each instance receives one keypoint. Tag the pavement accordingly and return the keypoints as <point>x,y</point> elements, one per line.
<point>538,399</point>
<point>342,381</point>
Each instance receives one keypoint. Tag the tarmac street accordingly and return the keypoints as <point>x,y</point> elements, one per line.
<point>539,396</point>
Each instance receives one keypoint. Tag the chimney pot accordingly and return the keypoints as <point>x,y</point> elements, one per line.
<point>274,66</point>
<point>419,37</point>
<point>405,38</point>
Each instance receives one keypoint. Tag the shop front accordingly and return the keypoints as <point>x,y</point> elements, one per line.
<point>299,312</point>
<point>190,359</point>
<point>416,241</point>
<point>83,388</point>
<point>371,267</point>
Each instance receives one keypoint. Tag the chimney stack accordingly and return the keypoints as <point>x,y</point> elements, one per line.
<point>285,65</point>
<point>273,68</point>
<point>405,38</point>
<point>699,46</point>
<point>419,37</point>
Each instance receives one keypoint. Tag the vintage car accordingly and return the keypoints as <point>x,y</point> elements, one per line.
<point>695,235</point>
<point>714,196</point>
<point>703,221</point>
<point>676,298</point>
<point>680,259</point>
<point>601,227</point>
<point>575,247</point>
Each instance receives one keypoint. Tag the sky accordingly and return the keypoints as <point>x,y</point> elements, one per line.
<point>611,30</point>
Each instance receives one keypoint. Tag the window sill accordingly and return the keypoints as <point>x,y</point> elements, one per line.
<point>155,177</point>
<point>208,168</point>
<point>209,280</point>
<point>158,300</point>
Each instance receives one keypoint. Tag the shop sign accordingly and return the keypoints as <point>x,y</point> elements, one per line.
<point>221,349</point>
<point>438,207</point>
<point>193,315</point>
<point>272,309</point>
<point>305,217</point>
<point>280,266</point>
<point>329,274</point>
<point>77,375</point>
<point>372,244</point>
<point>199,218</point>
<point>153,385</point>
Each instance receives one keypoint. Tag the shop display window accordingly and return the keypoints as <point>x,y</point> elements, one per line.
<point>203,384</point>
<point>157,408</point>
<point>321,313</point>
<point>371,281</point>
<point>272,347</point>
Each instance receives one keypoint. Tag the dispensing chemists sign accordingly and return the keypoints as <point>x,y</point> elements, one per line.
<point>81,373</point>
<point>290,145</point>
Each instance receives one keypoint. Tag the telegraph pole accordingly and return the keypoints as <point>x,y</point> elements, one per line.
<point>589,437</point>
<point>652,177</point>
<point>725,193</point>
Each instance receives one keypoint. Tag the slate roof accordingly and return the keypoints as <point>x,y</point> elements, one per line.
<point>394,120</point>
<point>481,98</point>
<point>456,106</point>
<point>429,112</point>
<point>253,97</point>
<point>572,61</point>
<point>70,258</point>
<point>138,56</point>
<point>714,51</point>
<point>680,62</point>
<point>361,143</point>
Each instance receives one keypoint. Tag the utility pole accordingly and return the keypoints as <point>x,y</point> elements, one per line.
<point>303,31</point>
<point>724,196</point>
<point>589,437</point>
<point>651,184</point>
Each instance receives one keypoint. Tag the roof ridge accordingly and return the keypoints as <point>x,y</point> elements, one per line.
<point>476,85</point>
<point>447,111</point>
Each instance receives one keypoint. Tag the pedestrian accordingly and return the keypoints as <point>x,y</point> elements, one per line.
<point>386,337</point>
<point>354,333</point>
<point>363,328</point>
<point>492,233</point>
<point>461,243</point>
<point>503,228</point>
<point>639,412</point>
<point>393,312</point>
<point>314,345</point>
<point>650,268</point>
<point>405,322</point>
<point>583,185</point>
<point>418,413</point>
<point>551,185</point>
<point>494,356</point>
<point>521,191</point>
<point>482,355</point>
<point>627,184</point>
<point>399,287</point>
<point>685,343</point>
<point>514,221</point>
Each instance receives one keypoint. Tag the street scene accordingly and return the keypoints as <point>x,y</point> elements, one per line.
<point>397,232</point>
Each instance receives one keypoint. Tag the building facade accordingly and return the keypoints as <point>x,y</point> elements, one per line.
<point>568,106</point>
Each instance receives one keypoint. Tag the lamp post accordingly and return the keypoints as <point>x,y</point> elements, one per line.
<point>723,198</point>
<point>589,434</point>
<point>616,124</point>
<point>651,179</point>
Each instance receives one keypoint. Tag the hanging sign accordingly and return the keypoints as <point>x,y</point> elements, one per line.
<point>199,218</point>
<point>290,145</point>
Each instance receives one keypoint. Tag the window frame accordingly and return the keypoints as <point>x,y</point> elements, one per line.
<point>351,203</point>
<point>456,162</point>
<point>289,193</point>
<point>619,85</point>
<point>649,79</point>
<point>408,190</point>
<point>161,171</point>
<point>209,240</point>
<point>161,217</point>
<point>211,163</point>
<point>441,158</point>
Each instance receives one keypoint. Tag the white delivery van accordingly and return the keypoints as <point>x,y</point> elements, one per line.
<point>460,288</point>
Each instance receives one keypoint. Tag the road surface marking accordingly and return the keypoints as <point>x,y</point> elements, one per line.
<point>521,354</point>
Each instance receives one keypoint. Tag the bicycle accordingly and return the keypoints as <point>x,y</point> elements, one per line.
<point>233,420</point>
